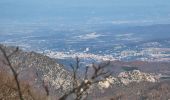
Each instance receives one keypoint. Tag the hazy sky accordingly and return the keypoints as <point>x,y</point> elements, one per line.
<point>84,9</point>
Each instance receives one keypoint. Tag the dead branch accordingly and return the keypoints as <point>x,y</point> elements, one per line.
<point>7,62</point>
<point>81,90</point>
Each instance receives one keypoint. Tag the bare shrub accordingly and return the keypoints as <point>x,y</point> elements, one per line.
<point>81,87</point>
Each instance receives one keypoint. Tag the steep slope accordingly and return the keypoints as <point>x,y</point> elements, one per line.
<point>35,73</point>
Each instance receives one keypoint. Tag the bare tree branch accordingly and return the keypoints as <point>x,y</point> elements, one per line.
<point>12,69</point>
<point>86,72</point>
<point>81,90</point>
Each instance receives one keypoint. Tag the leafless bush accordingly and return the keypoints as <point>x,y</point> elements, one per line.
<point>81,87</point>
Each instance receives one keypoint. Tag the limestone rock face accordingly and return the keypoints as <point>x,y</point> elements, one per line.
<point>125,78</point>
<point>35,69</point>
<point>136,76</point>
<point>108,82</point>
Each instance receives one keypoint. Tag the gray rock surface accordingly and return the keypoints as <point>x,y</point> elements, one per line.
<point>127,77</point>
<point>36,69</point>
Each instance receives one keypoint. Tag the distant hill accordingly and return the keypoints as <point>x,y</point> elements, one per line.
<point>36,71</point>
<point>149,67</point>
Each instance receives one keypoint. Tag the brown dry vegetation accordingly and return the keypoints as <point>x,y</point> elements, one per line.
<point>148,67</point>
<point>21,84</point>
<point>136,91</point>
<point>9,89</point>
<point>30,91</point>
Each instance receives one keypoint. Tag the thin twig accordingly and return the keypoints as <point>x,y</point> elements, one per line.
<point>81,90</point>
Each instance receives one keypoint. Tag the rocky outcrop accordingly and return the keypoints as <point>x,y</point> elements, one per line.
<point>35,70</point>
<point>137,76</point>
<point>125,78</point>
